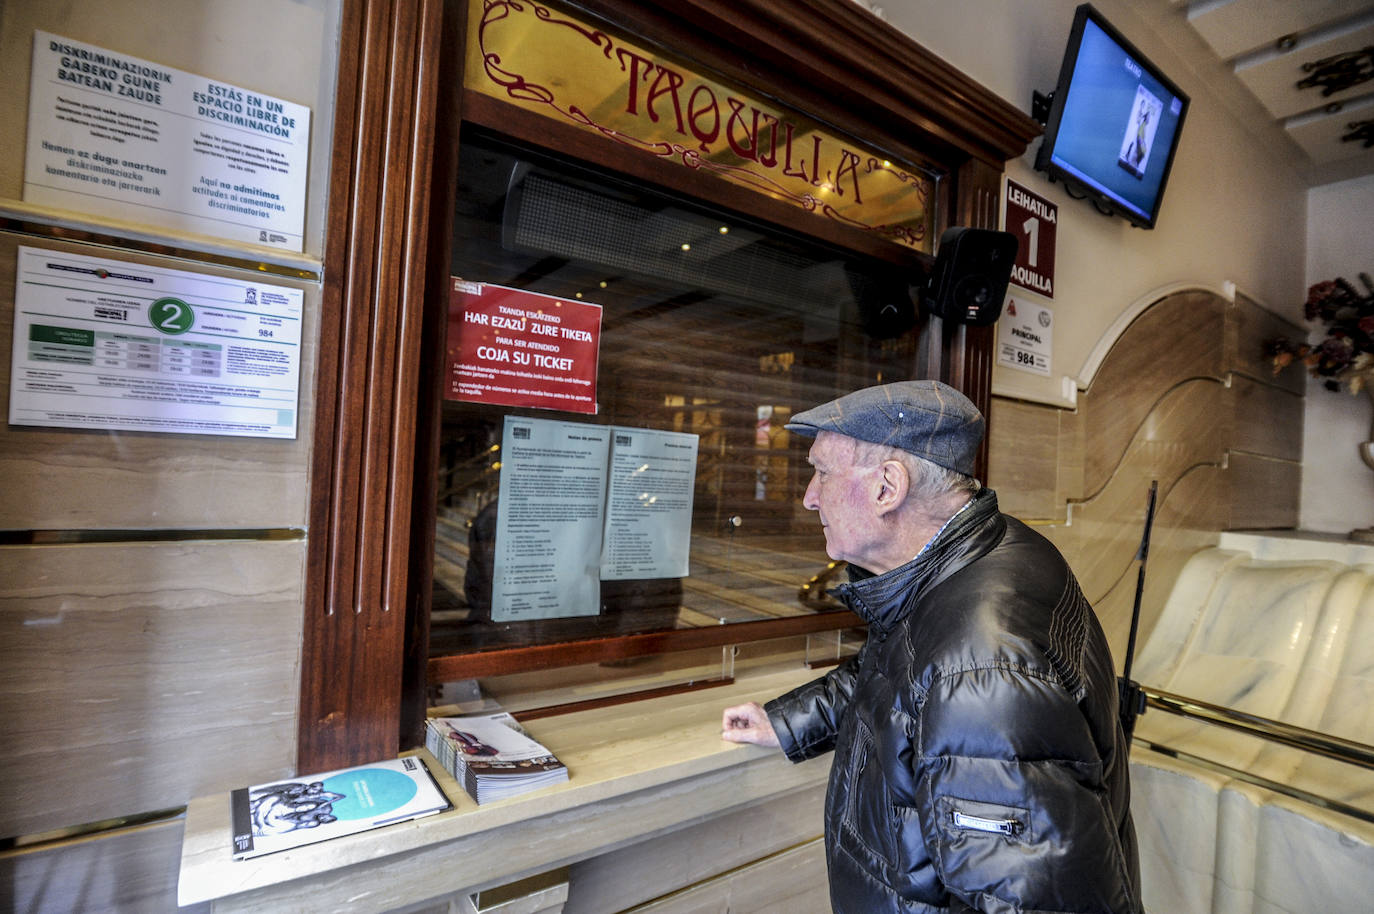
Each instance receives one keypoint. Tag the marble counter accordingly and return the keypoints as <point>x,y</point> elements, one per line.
<point>1280,626</point>
<point>635,771</point>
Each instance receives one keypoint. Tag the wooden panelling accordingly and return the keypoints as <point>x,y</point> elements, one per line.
<point>77,479</point>
<point>1263,492</point>
<point>129,871</point>
<point>135,676</point>
<point>370,342</point>
<point>826,57</point>
<point>1176,339</point>
<point>860,73</point>
<point>968,357</point>
<point>650,869</point>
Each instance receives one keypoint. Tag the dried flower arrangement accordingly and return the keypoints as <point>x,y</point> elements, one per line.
<point>1346,355</point>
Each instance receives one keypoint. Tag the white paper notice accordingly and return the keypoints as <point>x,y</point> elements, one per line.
<point>649,504</point>
<point>104,343</point>
<point>548,520</point>
<point>1025,336</point>
<point>114,135</point>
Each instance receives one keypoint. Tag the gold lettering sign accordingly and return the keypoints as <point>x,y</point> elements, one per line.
<point>544,60</point>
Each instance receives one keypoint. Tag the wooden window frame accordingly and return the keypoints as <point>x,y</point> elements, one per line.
<point>364,664</point>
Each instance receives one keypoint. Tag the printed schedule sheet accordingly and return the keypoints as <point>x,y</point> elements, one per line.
<point>106,343</point>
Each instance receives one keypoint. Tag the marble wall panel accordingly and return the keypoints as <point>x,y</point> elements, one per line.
<point>128,871</point>
<point>1072,457</point>
<point>1024,450</point>
<point>792,882</point>
<point>1268,419</point>
<point>1264,492</point>
<point>1177,853</point>
<point>1253,636</point>
<point>1281,632</point>
<point>1276,854</point>
<point>1305,864</point>
<point>134,676</point>
<point>647,870</point>
<point>78,479</point>
<point>1335,695</point>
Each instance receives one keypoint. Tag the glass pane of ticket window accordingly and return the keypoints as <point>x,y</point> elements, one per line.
<point>712,332</point>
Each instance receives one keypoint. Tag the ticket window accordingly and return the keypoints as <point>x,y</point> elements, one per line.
<point>692,351</point>
<point>712,331</point>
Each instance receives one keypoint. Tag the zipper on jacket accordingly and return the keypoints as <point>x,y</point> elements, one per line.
<point>1009,827</point>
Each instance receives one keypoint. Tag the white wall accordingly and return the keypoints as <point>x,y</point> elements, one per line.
<point>1337,488</point>
<point>1235,204</point>
<point>1236,210</point>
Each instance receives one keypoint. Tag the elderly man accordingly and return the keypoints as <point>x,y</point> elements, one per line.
<point>979,763</point>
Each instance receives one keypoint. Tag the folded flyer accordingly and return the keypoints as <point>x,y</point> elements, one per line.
<point>284,814</point>
<point>492,756</point>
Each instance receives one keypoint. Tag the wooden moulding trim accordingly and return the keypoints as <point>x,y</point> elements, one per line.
<point>599,650</point>
<point>429,392</point>
<point>315,746</point>
<point>622,698</point>
<point>977,204</point>
<point>546,133</point>
<point>369,346</point>
<point>412,254</point>
<point>838,62</point>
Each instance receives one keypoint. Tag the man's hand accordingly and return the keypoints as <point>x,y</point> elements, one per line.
<point>748,724</point>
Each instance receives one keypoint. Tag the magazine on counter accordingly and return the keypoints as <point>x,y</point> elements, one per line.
<point>303,810</point>
<point>492,756</point>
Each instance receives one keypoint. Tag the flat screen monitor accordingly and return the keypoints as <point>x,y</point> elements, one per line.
<point>1113,124</point>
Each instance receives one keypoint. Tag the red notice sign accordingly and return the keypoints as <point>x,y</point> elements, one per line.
<point>508,347</point>
<point>1033,220</point>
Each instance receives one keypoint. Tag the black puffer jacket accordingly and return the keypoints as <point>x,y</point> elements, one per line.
<point>978,761</point>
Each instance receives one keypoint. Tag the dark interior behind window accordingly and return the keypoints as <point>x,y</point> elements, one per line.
<point>711,325</point>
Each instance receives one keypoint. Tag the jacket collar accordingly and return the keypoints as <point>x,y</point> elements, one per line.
<point>882,600</point>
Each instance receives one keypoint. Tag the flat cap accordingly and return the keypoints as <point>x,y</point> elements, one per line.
<point>927,418</point>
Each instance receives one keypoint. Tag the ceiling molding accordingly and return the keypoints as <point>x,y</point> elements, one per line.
<point>1310,64</point>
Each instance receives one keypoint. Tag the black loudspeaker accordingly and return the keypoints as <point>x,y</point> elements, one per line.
<point>885,304</point>
<point>972,269</point>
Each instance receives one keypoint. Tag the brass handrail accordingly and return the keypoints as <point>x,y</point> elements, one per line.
<point>1249,777</point>
<point>1333,747</point>
<point>816,589</point>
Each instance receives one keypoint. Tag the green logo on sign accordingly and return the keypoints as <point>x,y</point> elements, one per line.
<point>171,315</point>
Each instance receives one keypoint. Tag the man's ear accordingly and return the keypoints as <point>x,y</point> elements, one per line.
<point>893,484</point>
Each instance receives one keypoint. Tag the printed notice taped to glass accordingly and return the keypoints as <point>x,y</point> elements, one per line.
<point>548,520</point>
<point>110,344</point>
<point>649,504</point>
<point>113,135</point>
<point>566,489</point>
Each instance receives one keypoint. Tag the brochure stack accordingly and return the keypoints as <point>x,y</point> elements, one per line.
<point>492,756</point>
